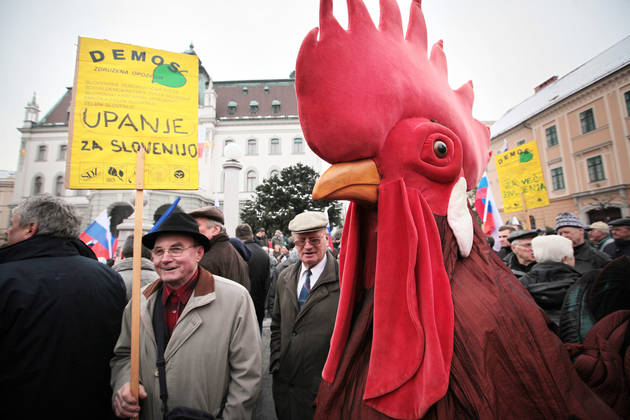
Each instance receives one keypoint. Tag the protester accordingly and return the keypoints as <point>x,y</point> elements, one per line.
<point>597,294</point>
<point>599,235</point>
<point>213,346</point>
<point>620,232</point>
<point>552,275</point>
<point>60,312</point>
<point>521,260</point>
<point>261,238</point>
<point>278,239</point>
<point>506,248</point>
<point>305,306</point>
<point>124,265</point>
<point>259,272</point>
<point>221,259</point>
<point>586,257</point>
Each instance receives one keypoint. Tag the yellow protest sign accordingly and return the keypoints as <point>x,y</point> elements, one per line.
<point>520,176</point>
<point>125,98</point>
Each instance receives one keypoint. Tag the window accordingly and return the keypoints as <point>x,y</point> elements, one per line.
<point>232,106</point>
<point>298,146</point>
<point>41,153</point>
<point>253,107</point>
<point>552,136</point>
<point>38,184</point>
<point>595,169</point>
<point>274,147</point>
<point>275,106</point>
<point>557,179</point>
<point>245,90</point>
<point>587,121</point>
<point>251,180</point>
<point>62,152</point>
<point>520,142</point>
<point>627,98</point>
<point>59,187</point>
<point>252,147</point>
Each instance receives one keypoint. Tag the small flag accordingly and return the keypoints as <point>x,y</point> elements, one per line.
<point>99,237</point>
<point>487,211</point>
<point>504,148</point>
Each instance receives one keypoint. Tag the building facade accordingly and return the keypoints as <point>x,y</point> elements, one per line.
<point>258,115</point>
<point>581,125</point>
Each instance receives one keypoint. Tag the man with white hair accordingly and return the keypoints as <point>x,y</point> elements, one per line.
<point>553,273</point>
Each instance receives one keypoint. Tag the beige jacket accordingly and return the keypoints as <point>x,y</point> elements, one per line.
<point>212,358</point>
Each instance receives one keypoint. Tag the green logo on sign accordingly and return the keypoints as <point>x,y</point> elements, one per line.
<point>526,156</point>
<point>169,75</point>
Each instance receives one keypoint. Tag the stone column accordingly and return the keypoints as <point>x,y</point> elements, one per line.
<point>231,169</point>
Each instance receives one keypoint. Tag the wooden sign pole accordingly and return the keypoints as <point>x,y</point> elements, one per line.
<point>134,379</point>
<point>527,224</point>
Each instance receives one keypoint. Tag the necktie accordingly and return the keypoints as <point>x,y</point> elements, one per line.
<point>306,289</point>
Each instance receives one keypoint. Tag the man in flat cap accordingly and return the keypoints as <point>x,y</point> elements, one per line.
<point>304,311</point>
<point>599,235</point>
<point>620,232</point>
<point>521,260</point>
<point>586,257</point>
<point>212,344</point>
<point>221,258</point>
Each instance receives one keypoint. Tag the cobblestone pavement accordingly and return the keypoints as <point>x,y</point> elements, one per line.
<point>264,409</point>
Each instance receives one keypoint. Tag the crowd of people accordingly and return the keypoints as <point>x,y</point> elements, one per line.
<point>566,269</point>
<point>66,328</point>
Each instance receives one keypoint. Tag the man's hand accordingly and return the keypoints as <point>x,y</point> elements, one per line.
<point>125,405</point>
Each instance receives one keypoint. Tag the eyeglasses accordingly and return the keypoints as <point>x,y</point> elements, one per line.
<point>316,240</point>
<point>175,251</point>
<point>525,245</point>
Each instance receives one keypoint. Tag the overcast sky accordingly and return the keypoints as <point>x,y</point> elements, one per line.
<point>506,47</point>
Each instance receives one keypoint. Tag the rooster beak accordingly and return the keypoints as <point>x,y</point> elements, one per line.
<point>356,181</point>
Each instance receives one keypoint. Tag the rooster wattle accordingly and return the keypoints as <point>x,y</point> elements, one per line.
<point>430,322</point>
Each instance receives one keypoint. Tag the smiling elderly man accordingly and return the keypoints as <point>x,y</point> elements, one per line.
<point>304,311</point>
<point>213,347</point>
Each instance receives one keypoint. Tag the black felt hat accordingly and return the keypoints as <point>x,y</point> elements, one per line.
<point>522,234</point>
<point>181,223</point>
<point>620,222</point>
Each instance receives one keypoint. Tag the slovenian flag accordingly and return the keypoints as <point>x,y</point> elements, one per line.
<point>487,211</point>
<point>98,237</point>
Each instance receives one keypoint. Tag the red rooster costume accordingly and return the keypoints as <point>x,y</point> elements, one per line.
<point>430,322</point>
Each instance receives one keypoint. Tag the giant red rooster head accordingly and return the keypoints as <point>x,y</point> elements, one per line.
<point>372,104</point>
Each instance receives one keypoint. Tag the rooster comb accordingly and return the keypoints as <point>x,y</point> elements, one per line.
<point>353,86</point>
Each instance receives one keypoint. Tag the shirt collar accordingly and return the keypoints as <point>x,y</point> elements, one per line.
<point>316,270</point>
<point>183,292</point>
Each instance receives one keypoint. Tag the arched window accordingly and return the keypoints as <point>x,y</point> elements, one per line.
<point>252,147</point>
<point>59,186</point>
<point>298,146</point>
<point>251,180</point>
<point>274,147</point>
<point>38,185</point>
<point>232,106</point>
<point>275,106</point>
<point>253,107</point>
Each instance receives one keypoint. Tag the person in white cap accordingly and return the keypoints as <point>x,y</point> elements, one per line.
<point>304,311</point>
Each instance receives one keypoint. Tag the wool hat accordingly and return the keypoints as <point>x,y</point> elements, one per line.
<point>599,226</point>
<point>522,234</point>
<point>180,223</point>
<point>308,221</point>
<point>568,219</point>
<point>209,212</point>
<point>620,222</point>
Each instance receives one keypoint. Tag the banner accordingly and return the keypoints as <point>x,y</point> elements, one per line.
<point>521,177</point>
<point>125,98</point>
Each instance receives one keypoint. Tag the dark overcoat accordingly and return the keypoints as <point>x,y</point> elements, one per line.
<point>222,259</point>
<point>300,339</point>
<point>60,316</point>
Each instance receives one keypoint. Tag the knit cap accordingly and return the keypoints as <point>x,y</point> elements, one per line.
<point>568,219</point>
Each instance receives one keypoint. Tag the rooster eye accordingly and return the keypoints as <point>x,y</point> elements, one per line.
<point>440,149</point>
